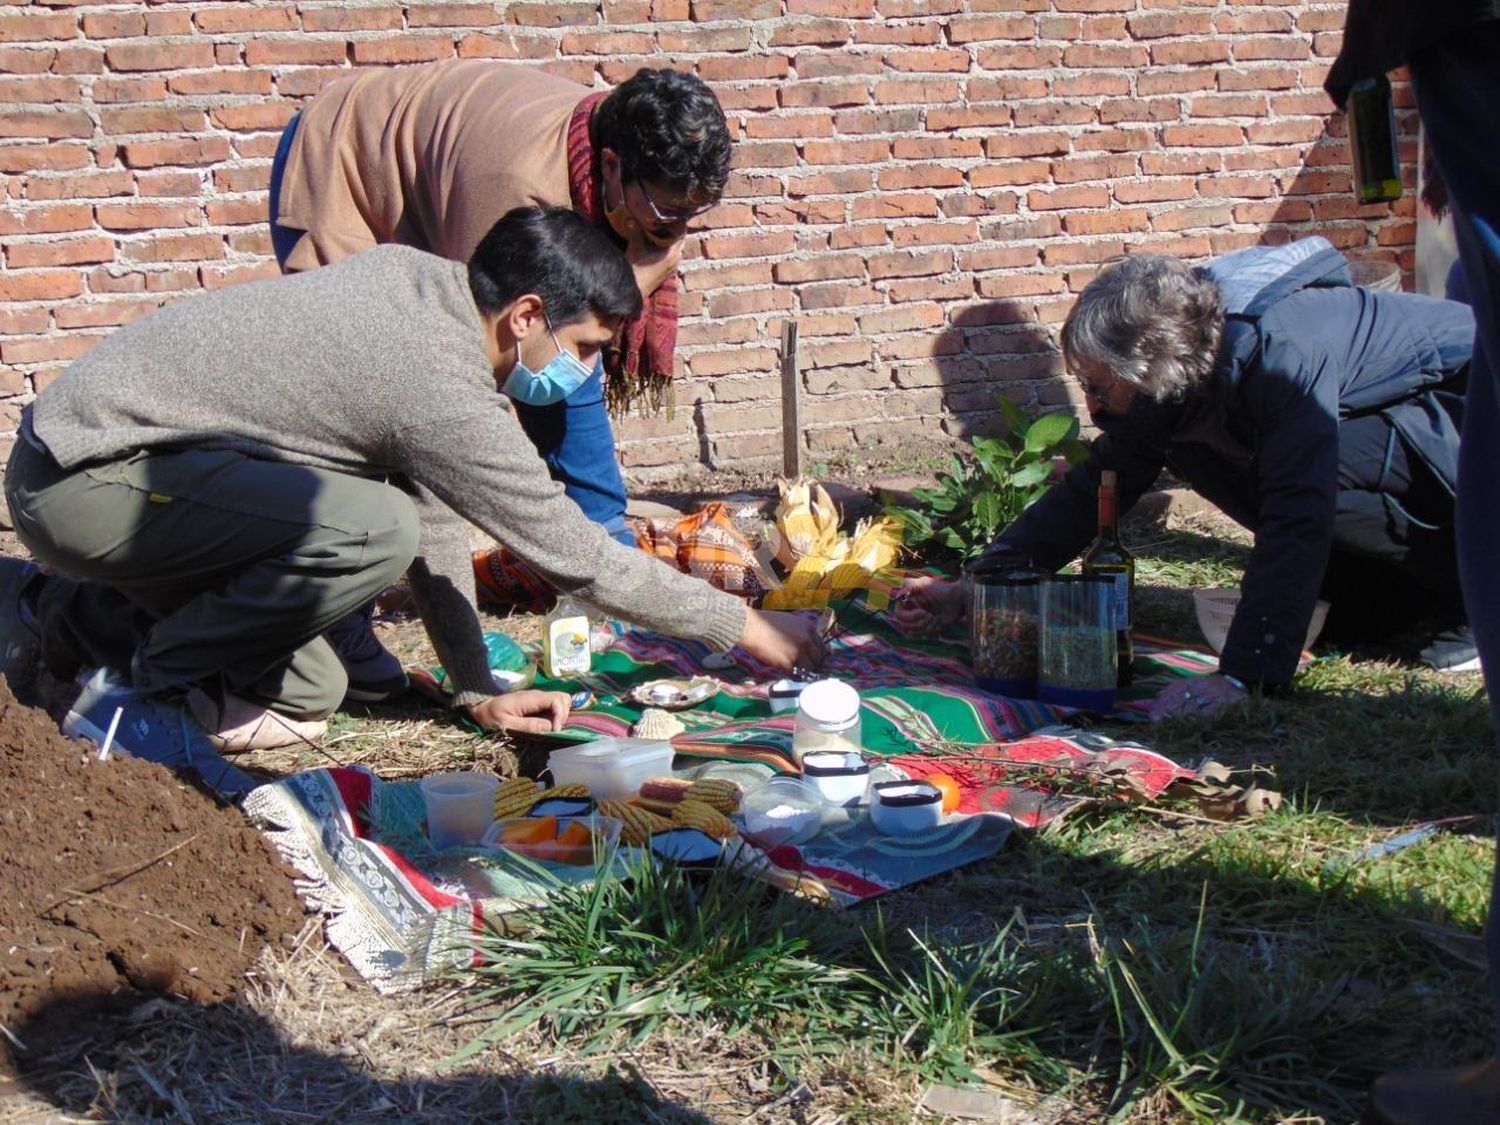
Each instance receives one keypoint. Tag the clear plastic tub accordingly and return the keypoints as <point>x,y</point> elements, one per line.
<point>611,768</point>
<point>575,841</point>
<point>785,810</point>
<point>460,807</point>
<point>1078,659</point>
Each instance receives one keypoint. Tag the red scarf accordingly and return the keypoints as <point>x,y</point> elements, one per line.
<point>638,364</point>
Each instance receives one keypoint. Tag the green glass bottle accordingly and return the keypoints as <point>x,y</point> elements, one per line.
<point>1372,141</point>
<point>1107,555</point>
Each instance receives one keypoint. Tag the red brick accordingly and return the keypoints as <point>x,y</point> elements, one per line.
<point>452,15</point>
<point>1257,78</point>
<point>742,68</point>
<point>825,183</point>
<point>150,154</point>
<point>931,289</point>
<point>640,11</point>
<point>997,258</point>
<point>811,33</point>
<point>956,233</point>
<point>341,18</point>
<point>699,278</point>
<point>795,126</point>
<point>102,314</point>
<point>936,148</point>
<point>64,252</point>
<point>1236,187</point>
<point>922,91</point>
<point>48,348</point>
<point>916,176</point>
<point>752,301</point>
<point>928,61</point>
<point>1034,143</point>
<point>967,117</point>
<point>152,119</point>
<point>1239,105</point>
<point>836,64</point>
<point>1091,85</point>
<point>1115,110</point>
<point>174,248</point>
<point>1008,172</point>
<point>975,29</point>
<point>885,205</point>
<point>708,11</point>
<point>407,49</point>
<point>63,219</point>
<point>36,158</point>
<point>89,185</point>
<point>910,264</point>
<point>1153,190</point>
<point>824,94</point>
<point>843,152</point>
<point>1095,55</point>
<point>1118,220</point>
<point>159,56</point>
<point>296,52</point>
<point>1183,52</point>
<point>39,91</point>
<point>730,361</point>
<point>877,120</point>
<point>1281,47</point>
<point>219,82</point>
<point>114,25</point>
<point>1192,218</point>
<point>1068,197</point>
<point>169,183</point>
<point>1017,230</point>
<point>78,60</point>
<point>20,322</point>
<point>29,27</point>
<point>1006,88</point>
<point>1316,183</point>
<point>1281,211</point>
<point>255,145</point>
<point>606,41</point>
<point>15,60</point>
<point>753,245</point>
<point>908,9</point>
<point>797,271</point>
<point>253,117</point>
<point>305,83</point>
<point>1081,169</point>
<point>52,124</point>
<point>1202,136</point>
<point>1019,58</point>
<point>146,216</point>
<point>1053,113</point>
<point>217,277</point>
<point>225,21</point>
<point>1285,132</point>
<point>160,24</point>
<point>40,285</point>
<point>911,34</point>
<point>834,9</point>
<point>1158,25</point>
<point>1173,81</point>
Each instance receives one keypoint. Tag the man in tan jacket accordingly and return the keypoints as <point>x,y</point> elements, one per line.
<point>430,156</point>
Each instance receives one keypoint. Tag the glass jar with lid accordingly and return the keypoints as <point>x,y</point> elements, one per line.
<point>1077,666</point>
<point>827,719</point>
<point>1004,615</point>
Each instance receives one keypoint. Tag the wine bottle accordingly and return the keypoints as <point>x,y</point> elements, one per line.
<point>1372,141</point>
<point>1107,555</point>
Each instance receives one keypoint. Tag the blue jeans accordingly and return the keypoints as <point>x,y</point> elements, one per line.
<point>574,437</point>
<point>1458,88</point>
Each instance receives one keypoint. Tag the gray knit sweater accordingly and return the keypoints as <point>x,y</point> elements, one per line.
<point>373,365</point>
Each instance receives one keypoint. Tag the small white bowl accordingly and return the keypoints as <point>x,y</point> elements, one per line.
<point>904,808</point>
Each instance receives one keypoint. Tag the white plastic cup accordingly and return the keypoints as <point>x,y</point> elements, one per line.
<point>460,807</point>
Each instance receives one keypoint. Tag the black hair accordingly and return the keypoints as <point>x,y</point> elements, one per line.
<point>667,128</point>
<point>555,253</point>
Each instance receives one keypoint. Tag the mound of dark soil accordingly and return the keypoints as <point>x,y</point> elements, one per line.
<point>118,881</point>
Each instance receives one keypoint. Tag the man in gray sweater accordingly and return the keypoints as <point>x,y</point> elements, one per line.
<point>222,480</point>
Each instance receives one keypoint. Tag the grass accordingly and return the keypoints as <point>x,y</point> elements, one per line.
<point>1142,968</point>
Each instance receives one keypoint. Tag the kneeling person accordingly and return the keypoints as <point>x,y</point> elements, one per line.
<point>223,480</point>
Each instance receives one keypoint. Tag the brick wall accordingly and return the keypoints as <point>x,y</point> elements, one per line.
<point>922,184</point>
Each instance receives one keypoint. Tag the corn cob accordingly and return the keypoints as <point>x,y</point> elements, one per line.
<point>515,796</point>
<point>574,791</point>
<point>661,794</point>
<point>636,824</point>
<point>717,792</point>
<point>705,818</point>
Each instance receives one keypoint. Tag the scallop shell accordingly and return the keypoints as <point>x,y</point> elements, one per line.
<point>674,695</point>
<point>656,723</point>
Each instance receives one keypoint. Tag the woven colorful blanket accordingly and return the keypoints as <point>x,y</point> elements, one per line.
<point>917,694</point>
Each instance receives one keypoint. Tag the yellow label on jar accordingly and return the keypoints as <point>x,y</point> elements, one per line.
<point>565,648</point>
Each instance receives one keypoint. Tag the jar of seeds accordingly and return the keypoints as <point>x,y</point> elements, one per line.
<point>1004,614</point>
<point>1077,665</point>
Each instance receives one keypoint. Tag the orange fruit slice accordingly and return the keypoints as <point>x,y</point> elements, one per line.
<point>948,787</point>
<point>530,831</point>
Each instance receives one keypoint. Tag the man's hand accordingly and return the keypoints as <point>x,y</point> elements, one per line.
<point>534,712</point>
<point>783,640</point>
<point>924,605</point>
<point>1195,698</point>
<point>652,262</point>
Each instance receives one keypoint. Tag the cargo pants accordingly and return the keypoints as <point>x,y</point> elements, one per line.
<point>209,568</point>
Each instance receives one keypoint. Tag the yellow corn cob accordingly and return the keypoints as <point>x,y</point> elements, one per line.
<point>705,818</point>
<point>575,791</point>
<point>716,792</point>
<point>515,796</point>
<point>636,824</point>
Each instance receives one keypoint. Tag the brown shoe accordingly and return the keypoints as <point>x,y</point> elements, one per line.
<point>237,725</point>
<point>1459,1095</point>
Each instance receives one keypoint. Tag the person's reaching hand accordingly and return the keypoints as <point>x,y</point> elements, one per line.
<point>924,605</point>
<point>783,640</point>
<point>530,711</point>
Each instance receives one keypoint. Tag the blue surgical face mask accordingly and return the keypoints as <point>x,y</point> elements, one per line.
<point>563,374</point>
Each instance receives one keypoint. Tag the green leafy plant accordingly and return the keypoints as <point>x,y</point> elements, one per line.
<point>983,492</point>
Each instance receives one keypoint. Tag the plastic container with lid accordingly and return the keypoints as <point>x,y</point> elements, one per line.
<point>827,719</point>
<point>841,777</point>
<point>904,808</point>
<point>1078,655</point>
<point>785,810</point>
<point>1004,623</point>
<point>611,768</point>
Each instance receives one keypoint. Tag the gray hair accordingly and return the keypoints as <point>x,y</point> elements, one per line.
<point>1151,320</point>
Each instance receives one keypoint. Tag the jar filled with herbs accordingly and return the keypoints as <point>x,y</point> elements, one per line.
<point>1004,623</point>
<point>1078,657</point>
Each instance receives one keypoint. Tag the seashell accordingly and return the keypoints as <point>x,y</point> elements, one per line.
<point>656,723</point>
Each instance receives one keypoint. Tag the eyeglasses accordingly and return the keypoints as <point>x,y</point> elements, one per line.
<point>671,220</point>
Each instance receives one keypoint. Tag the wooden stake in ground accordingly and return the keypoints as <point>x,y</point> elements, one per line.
<point>791,424</point>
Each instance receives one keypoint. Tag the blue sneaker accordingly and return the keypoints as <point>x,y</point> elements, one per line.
<point>20,639</point>
<point>151,729</point>
<point>375,675</point>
